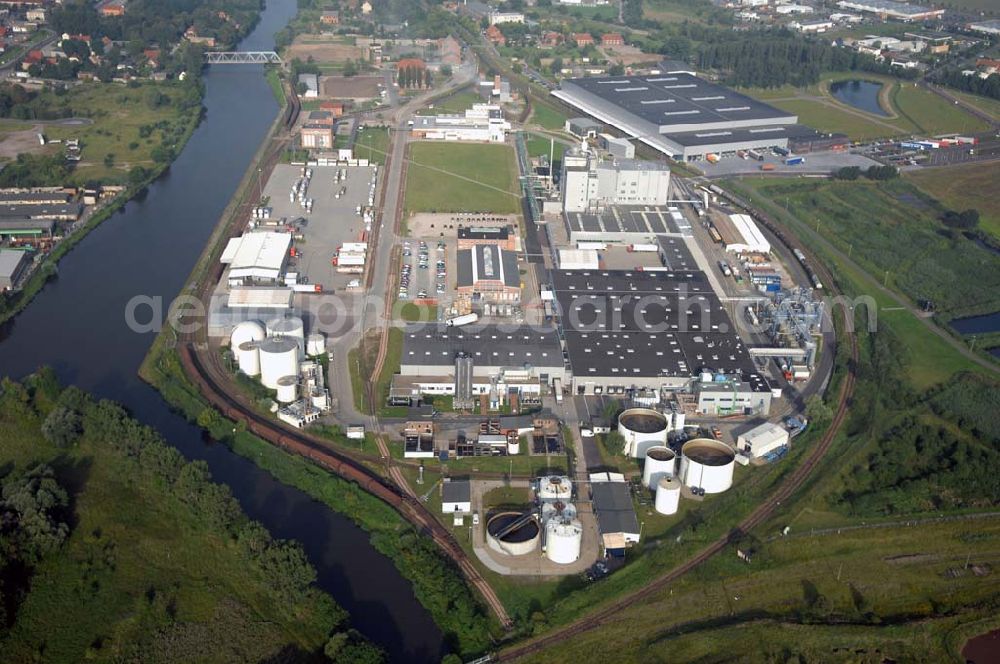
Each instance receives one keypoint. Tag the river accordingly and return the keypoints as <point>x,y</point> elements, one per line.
<point>77,326</point>
<point>859,94</point>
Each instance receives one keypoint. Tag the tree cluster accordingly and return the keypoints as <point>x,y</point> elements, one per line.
<point>986,87</point>
<point>964,220</point>
<point>413,77</point>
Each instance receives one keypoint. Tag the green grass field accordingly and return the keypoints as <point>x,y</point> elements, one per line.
<point>142,575</point>
<point>547,117</point>
<point>453,177</point>
<point>372,144</point>
<point>931,114</point>
<point>833,119</point>
<point>965,186</point>
<point>117,112</point>
<point>985,104</point>
<point>457,103</point>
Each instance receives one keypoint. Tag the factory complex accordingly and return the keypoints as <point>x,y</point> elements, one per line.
<point>684,116</point>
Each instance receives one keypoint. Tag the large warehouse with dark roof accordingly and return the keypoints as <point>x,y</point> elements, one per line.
<point>682,115</point>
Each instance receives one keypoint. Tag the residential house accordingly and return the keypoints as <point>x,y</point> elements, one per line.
<point>583,39</point>
<point>494,35</point>
<point>612,39</point>
<point>330,17</point>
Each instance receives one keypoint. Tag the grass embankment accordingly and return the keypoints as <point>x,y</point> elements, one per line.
<point>152,569</point>
<point>372,143</point>
<point>450,177</point>
<point>984,104</point>
<point>965,186</point>
<point>273,76</point>
<point>546,116</point>
<point>892,230</point>
<point>457,103</point>
<point>437,584</point>
<point>361,361</point>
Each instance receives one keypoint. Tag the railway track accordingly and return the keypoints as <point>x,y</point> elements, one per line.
<point>788,487</point>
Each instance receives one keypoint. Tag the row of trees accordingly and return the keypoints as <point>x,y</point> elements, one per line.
<point>987,87</point>
<point>874,172</point>
<point>414,77</point>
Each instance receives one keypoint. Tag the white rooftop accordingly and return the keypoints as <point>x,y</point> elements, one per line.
<point>263,250</point>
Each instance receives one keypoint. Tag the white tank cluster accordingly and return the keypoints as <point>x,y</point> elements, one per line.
<point>660,462</point>
<point>288,389</point>
<point>248,358</point>
<point>279,357</point>
<point>642,429</point>
<point>707,465</point>
<point>668,495</point>
<point>292,327</point>
<point>555,487</point>
<point>244,342</point>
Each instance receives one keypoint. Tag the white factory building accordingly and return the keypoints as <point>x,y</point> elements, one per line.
<point>746,236</point>
<point>590,184</point>
<point>902,11</point>
<point>762,439</point>
<point>482,122</point>
<point>256,258</point>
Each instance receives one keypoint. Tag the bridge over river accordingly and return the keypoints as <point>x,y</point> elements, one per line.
<point>242,58</point>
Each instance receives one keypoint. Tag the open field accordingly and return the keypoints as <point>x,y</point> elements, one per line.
<point>457,103</point>
<point>143,574</point>
<point>830,118</point>
<point>547,117</point>
<point>985,104</point>
<point>965,186</point>
<point>456,177</point>
<point>324,50</point>
<point>372,143</point>
<point>886,590</point>
<point>931,114</point>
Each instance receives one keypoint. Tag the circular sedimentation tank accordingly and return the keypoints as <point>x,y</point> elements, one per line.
<point>518,542</point>
<point>642,429</point>
<point>707,464</point>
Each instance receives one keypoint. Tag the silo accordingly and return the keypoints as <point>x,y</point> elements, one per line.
<point>642,428</point>
<point>315,344</point>
<point>558,509</point>
<point>289,327</point>
<point>248,357</point>
<point>707,464</point>
<point>279,357</point>
<point>668,495</point>
<point>288,389</point>
<point>563,538</point>
<point>555,487</point>
<point>320,399</point>
<point>248,330</point>
<point>660,462</point>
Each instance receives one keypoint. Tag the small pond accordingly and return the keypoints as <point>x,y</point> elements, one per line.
<point>977,324</point>
<point>859,94</point>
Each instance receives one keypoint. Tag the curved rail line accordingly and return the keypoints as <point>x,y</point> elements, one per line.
<point>791,484</point>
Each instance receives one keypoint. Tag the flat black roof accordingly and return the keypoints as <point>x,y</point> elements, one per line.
<point>456,491</point>
<point>487,345</point>
<point>631,281</point>
<point>40,210</point>
<point>613,506</point>
<point>487,262</point>
<point>743,135</point>
<point>645,220</point>
<point>483,232</point>
<point>677,98</point>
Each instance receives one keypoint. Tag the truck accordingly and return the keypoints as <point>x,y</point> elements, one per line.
<point>345,258</point>
<point>712,158</point>
<point>781,152</point>
<point>794,161</point>
<point>307,288</point>
<point>639,248</point>
<point>354,247</point>
<point>767,167</point>
<point>557,389</point>
<point>754,154</point>
<point>458,321</point>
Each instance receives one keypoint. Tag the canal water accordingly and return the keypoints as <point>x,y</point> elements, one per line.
<point>984,324</point>
<point>859,94</point>
<point>77,326</point>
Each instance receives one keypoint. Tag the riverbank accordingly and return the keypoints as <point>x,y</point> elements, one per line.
<point>437,583</point>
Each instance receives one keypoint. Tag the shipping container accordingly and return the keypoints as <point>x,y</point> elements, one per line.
<point>782,152</point>
<point>793,161</point>
<point>458,321</point>
<point>648,248</point>
<point>767,167</point>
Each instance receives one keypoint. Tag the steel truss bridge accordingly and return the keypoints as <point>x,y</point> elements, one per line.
<point>242,58</point>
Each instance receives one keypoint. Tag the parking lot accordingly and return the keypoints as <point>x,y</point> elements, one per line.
<point>333,219</point>
<point>426,270</point>
<point>815,162</point>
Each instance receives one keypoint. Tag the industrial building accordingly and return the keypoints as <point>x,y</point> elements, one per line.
<point>13,263</point>
<point>488,274</point>
<point>37,211</point>
<point>583,127</point>
<point>619,148</point>
<point>762,440</point>
<point>495,362</point>
<point>616,518</point>
<point>629,331</point>
<point>590,184</point>
<point>741,235</point>
<point>256,258</point>
<point>500,236</point>
<point>317,136</point>
<point>902,11</point>
<point>623,224</point>
<point>34,228</point>
<point>456,496</point>
<point>482,122</point>
<point>682,115</point>
<point>989,27</point>
<point>10,197</point>
<point>579,259</point>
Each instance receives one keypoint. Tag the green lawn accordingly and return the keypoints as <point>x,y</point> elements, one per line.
<point>143,575</point>
<point>412,313</point>
<point>372,144</point>
<point>547,117</point>
<point>932,114</point>
<point>985,104</point>
<point>453,177</point>
<point>832,119</point>
<point>965,186</point>
<point>457,103</point>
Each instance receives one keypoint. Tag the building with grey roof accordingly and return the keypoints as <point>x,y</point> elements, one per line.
<point>679,114</point>
<point>903,11</point>
<point>626,224</point>
<point>615,515</point>
<point>13,263</point>
<point>590,184</point>
<point>488,274</point>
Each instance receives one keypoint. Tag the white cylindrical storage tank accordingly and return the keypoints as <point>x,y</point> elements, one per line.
<point>707,464</point>
<point>320,399</point>
<point>668,495</point>
<point>288,389</point>
<point>279,357</point>
<point>292,327</point>
<point>642,428</point>
<point>660,462</point>
<point>248,330</point>
<point>248,357</point>
<point>315,344</point>
<point>563,538</point>
<point>555,487</point>
<point>513,542</point>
